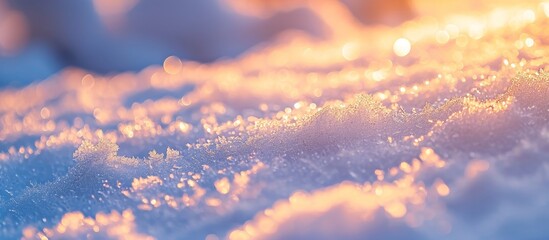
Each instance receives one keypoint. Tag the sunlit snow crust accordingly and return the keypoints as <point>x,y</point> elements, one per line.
<point>350,138</point>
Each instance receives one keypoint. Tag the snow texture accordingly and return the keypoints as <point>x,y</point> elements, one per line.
<point>450,141</point>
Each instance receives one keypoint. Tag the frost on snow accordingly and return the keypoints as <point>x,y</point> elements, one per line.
<point>450,143</point>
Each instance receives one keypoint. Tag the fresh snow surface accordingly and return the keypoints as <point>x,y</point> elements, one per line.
<point>434,129</point>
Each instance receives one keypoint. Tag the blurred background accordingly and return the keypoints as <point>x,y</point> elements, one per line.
<point>39,38</point>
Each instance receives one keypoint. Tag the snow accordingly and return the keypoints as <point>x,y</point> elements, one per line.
<point>449,140</point>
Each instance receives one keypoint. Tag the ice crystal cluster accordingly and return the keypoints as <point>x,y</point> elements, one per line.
<point>434,129</point>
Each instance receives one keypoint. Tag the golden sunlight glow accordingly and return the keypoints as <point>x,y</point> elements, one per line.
<point>350,51</point>
<point>402,47</point>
